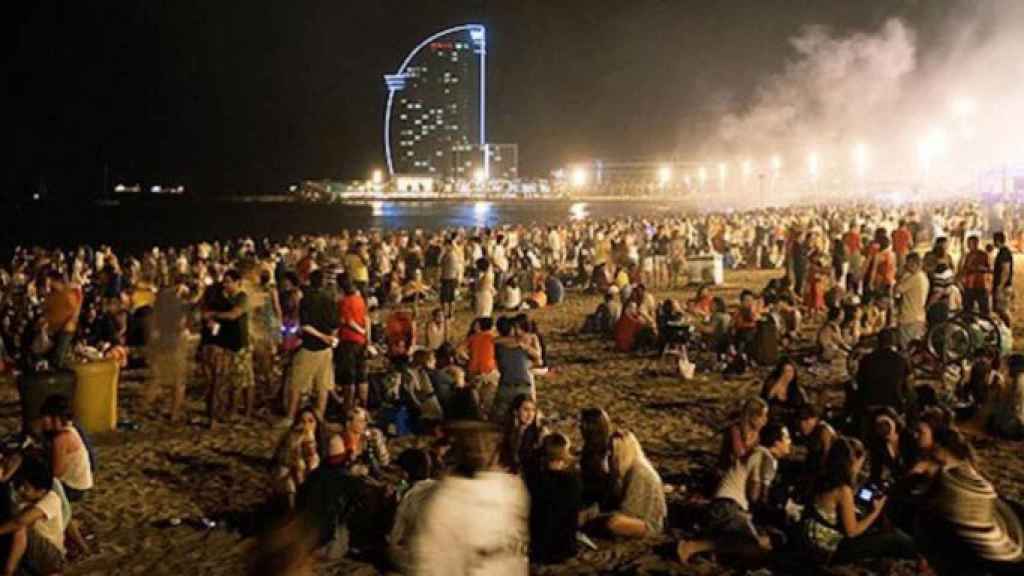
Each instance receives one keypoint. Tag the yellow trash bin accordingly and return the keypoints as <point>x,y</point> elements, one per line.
<point>95,403</point>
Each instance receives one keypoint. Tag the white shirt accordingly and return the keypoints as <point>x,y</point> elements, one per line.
<point>474,527</point>
<point>51,526</point>
<point>78,473</point>
<point>913,290</point>
<point>760,467</point>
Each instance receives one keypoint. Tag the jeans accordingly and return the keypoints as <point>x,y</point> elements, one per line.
<point>61,350</point>
<point>979,296</point>
<point>881,544</point>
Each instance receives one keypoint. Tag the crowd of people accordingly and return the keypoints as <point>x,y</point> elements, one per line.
<point>345,342</point>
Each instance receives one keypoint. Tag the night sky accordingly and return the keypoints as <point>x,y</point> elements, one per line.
<point>246,97</point>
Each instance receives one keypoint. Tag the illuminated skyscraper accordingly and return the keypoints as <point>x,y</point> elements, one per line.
<point>436,103</point>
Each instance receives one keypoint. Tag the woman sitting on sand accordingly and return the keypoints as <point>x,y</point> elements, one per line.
<point>1007,419</point>
<point>783,393</point>
<point>831,530</point>
<point>511,295</point>
<point>640,511</point>
<point>298,453</point>
<point>964,527</point>
<point>366,447</point>
<point>889,458</point>
<point>522,436</point>
<point>633,332</point>
<point>595,466</point>
<point>742,437</point>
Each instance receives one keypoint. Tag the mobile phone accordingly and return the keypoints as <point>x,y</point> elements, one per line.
<point>866,495</point>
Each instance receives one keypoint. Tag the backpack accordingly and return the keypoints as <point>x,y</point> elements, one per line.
<point>765,347</point>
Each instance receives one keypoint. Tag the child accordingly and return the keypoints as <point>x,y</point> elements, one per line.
<point>555,497</point>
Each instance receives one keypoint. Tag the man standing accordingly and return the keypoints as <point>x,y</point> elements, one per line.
<point>234,328</point>
<point>350,359</point>
<point>61,309</point>
<point>912,291</point>
<point>976,276</point>
<point>312,369</point>
<point>901,244</point>
<point>450,275</point>
<point>166,348</point>
<point>1002,280</point>
<point>357,266</point>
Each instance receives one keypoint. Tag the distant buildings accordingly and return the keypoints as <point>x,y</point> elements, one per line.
<point>436,104</point>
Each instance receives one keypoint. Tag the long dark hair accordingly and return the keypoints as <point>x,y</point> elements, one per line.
<point>838,470</point>
<point>953,441</point>
<point>777,373</point>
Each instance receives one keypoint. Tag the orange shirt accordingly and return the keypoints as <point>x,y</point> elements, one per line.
<point>885,269</point>
<point>481,353</point>
<point>852,241</point>
<point>901,240</point>
<point>60,308</point>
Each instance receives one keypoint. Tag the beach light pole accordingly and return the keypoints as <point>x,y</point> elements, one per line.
<point>578,177</point>
<point>860,162</point>
<point>664,175</point>
<point>813,170</point>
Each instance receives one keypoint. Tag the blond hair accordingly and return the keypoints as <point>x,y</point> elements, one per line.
<point>626,452</point>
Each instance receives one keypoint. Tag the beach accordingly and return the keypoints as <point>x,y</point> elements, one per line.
<point>149,479</point>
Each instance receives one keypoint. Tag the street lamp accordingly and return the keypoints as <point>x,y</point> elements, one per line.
<point>664,175</point>
<point>860,159</point>
<point>813,165</point>
<point>578,177</point>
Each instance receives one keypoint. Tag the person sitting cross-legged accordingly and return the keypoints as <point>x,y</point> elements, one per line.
<point>730,529</point>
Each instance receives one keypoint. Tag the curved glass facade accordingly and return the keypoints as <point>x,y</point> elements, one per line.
<point>436,104</point>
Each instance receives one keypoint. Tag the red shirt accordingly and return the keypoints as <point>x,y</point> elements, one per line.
<point>352,309</point>
<point>625,332</point>
<point>399,333</point>
<point>901,240</point>
<point>976,267</point>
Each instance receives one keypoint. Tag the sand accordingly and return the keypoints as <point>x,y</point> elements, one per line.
<point>149,476</point>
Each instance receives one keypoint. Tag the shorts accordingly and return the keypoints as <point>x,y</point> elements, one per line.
<point>215,360</point>
<point>311,371</point>
<point>1002,299</point>
<point>240,373</point>
<point>350,364</point>
<point>911,332</point>
<point>725,519</point>
<point>448,290</point>
<point>74,494</point>
<point>170,366</point>
<point>41,555</point>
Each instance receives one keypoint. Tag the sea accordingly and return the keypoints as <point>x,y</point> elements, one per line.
<point>137,225</point>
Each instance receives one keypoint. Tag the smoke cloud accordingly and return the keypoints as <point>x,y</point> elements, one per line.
<point>950,98</point>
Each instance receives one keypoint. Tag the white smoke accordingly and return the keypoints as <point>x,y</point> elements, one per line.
<point>961,90</point>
